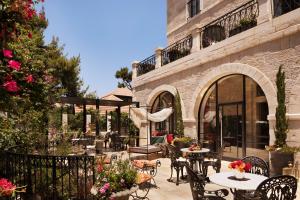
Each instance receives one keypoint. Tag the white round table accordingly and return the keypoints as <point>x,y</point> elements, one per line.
<point>223,180</point>
<point>203,150</point>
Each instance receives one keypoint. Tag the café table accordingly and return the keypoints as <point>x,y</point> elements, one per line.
<point>226,179</point>
<point>195,156</point>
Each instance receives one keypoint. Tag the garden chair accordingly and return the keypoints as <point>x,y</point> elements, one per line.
<point>275,188</point>
<point>258,166</point>
<point>213,159</point>
<point>177,163</point>
<point>116,142</point>
<point>197,184</point>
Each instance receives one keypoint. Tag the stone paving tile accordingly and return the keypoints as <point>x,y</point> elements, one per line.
<point>169,191</point>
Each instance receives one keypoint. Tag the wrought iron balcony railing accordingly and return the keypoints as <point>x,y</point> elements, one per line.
<point>146,65</point>
<point>232,23</point>
<point>177,50</point>
<point>284,6</point>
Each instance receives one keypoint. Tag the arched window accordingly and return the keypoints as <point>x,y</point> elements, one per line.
<point>233,113</point>
<point>163,100</point>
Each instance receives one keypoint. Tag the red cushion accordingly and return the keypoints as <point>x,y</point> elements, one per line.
<point>160,134</point>
<point>170,138</point>
<point>154,133</point>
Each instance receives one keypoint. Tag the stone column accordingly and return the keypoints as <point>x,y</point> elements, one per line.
<point>265,11</point>
<point>65,122</point>
<point>134,66</point>
<point>144,131</point>
<point>158,57</point>
<point>196,40</point>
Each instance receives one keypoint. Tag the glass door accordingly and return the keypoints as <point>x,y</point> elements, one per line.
<point>230,126</point>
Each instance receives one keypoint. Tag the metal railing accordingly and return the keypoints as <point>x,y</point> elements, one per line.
<point>146,65</point>
<point>232,23</point>
<point>281,7</point>
<point>49,177</point>
<point>177,50</point>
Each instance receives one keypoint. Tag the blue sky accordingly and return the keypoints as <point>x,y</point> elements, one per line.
<point>106,34</point>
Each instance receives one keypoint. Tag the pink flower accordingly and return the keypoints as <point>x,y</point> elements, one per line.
<point>6,188</point>
<point>29,79</point>
<point>14,65</point>
<point>7,53</point>
<point>11,86</point>
<point>106,186</point>
<point>102,190</point>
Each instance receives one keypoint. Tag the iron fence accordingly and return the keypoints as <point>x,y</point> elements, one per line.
<point>49,177</point>
<point>281,7</point>
<point>146,65</point>
<point>177,50</point>
<point>232,23</point>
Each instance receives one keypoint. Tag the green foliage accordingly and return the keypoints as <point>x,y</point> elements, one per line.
<point>179,122</point>
<point>183,139</point>
<point>126,77</point>
<point>281,127</point>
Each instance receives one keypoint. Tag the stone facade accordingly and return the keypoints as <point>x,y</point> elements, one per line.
<point>257,53</point>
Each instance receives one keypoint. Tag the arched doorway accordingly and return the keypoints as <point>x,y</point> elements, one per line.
<point>234,113</point>
<point>163,100</point>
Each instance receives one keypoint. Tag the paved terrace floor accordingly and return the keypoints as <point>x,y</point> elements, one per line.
<point>167,190</point>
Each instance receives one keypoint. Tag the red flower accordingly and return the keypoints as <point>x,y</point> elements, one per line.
<point>14,65</point>
<point>30,35</point>
<point>247,167</point>
<point>99,168</point>
<point>29,79</point>
<point>7,53</point>
<point>11,86</point>
<point>6,188</point>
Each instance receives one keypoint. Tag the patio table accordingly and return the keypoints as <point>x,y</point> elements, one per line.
<point>250,182</point>
<point>195,156</point>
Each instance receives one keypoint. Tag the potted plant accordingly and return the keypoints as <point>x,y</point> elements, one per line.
<point>280,153</point>
<point>115,181</point>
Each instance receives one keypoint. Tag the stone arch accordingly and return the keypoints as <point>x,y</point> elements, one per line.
<point>164,88</point>
<point>236,68</point>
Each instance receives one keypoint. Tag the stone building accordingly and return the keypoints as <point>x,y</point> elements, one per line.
<point>222,58</point>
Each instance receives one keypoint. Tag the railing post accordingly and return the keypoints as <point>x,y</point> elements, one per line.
<point>196,40</point>
<point>29,180</point>
<point>265,11</point>
<point>158,57</point>
<point>54,177</point>
<point>134,66</point>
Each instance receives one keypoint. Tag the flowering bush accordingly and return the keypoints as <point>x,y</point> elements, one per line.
<point>240,165</point>
<point>7,188</point>
<point>117,177</point>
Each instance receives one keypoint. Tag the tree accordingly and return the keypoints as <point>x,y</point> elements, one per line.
<point>126,77</point>
<point>281,127</point>
<point>179,122</point>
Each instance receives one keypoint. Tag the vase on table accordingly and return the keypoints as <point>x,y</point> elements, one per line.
<point>238,174</point>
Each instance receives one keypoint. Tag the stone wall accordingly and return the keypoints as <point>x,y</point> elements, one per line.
<point>179,26</point>
<point>256,53</point>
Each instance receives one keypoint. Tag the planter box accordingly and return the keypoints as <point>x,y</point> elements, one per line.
<point>279,160</point>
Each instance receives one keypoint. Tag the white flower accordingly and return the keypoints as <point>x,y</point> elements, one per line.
<point>94,190</point>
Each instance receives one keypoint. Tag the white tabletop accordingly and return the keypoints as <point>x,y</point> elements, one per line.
<point>251,184</point>
<point>203,150</point>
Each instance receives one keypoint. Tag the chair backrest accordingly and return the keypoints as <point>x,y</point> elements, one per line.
<point>197,183</point>
<point>258,165</point>
<point>172,152</point>
<point>278,188</point>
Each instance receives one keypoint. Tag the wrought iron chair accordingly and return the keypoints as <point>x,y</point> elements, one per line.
<point>197,183</point>
<point>213,160</point>
<point>176,163</point>
<point>258,165</point>
<point>116,142</point>
<point>275,188</point>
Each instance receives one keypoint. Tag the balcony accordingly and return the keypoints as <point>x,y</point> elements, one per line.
<point>230,24</point>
